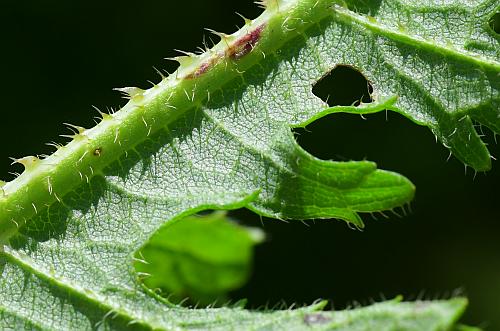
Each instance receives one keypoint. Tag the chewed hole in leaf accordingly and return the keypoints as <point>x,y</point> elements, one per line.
<point>495,23</point>
<point>348,137</point>
<point>343,86</point>
<point>200,258</point>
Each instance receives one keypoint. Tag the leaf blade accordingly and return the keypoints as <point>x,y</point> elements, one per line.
<point>227,149</point>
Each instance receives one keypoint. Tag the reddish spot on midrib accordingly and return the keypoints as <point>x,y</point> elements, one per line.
<point>235,51</point>
<point>245,44</point>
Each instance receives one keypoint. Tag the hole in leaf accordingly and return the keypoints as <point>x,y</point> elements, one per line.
<point>495,23</point>
<point>343,86</point>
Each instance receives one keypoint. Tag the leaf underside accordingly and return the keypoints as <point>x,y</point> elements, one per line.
<point>70,267</point>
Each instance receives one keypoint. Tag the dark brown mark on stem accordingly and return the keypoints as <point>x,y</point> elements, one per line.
<point>204,67</point>
<point>97,151</point>
<point>245,44</point>
<point>235,51</point>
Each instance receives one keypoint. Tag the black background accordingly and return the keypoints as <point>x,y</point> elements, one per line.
<point>60,57</point>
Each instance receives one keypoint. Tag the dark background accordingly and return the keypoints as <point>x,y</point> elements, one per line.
<point>60,57</point>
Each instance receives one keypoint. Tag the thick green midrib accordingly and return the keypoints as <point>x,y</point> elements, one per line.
<point>86,296</point>
<point>350,17</point>
<point>16,208</point>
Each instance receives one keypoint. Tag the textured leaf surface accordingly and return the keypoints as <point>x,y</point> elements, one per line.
<point>199,257</point>
<point>441,59</point>
<point>217,135</point>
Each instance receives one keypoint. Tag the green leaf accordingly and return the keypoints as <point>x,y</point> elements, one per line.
<point>460,327</point>
<point>199,257</point>
<point>217,135</point>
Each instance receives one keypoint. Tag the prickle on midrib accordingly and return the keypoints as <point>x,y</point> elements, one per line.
<point>47,180</point>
